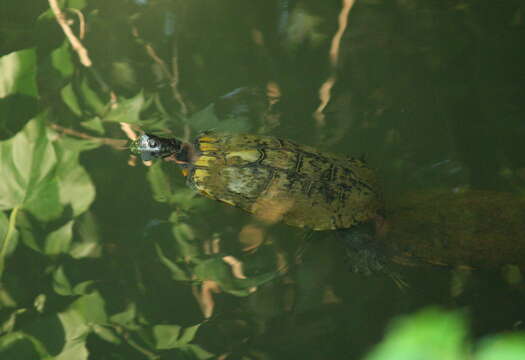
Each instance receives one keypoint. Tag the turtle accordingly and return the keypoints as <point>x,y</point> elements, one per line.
<point>280,180</point>
<point>277,179</point>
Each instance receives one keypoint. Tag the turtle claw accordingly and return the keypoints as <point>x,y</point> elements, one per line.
<point>398,280</point>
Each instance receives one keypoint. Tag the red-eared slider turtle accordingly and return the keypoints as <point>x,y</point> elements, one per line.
<point>280,180</point>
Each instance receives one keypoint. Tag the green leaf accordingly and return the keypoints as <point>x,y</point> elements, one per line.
<point>12,238</point>
<point>176,271</point>
<point>91,308</point>
<point>187,199</point>
<point>9,324</point>
<point>28,167</point>
<point>94,124</point>
<point>70,99</point>
<point>217,270</point>
<point>75,186</point>
<point>166,336</point>
<point>188,334</point>
<point>18,91</point>
<point>192,351</point>
<point>17,345</point>
<point>126,318</point>
<point>185,239</point>
<point>35,182</point>
<point>59,241</point>
<point>159,182</point>
<point>76,330</point>
<point>91,98</point>
<point>128,110</point>
<point>502,347</point>
<point>62,285</point>
<point>429,334</point>
<point>87,237</point>
<point>173,336</point>
<point>61,60</point>
<point>17,73</point>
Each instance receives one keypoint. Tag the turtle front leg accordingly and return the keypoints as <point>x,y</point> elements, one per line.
<point>364,253</point>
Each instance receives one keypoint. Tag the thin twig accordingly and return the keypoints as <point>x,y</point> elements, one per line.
<point>75,43</point>
<point>173,75</point>
<point>81,22</point>
<point>114,143</point>
<point>175,80</point>
<point>126,128</point>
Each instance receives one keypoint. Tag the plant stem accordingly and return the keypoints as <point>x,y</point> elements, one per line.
<point>7,238</point>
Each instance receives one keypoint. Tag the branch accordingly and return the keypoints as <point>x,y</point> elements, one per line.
<point>114,143</point>
<point>172,76</point>
<point>75,43</point>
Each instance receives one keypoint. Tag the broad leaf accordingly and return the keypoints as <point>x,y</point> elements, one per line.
<point>127,110</point>
<point>17,73</point>
<point>18,91</point>
<point>59,241</point>
<point>70,99</point>
<point>159,182</point>
<point>28,167</point>
<point>42,177</point>
<point>429,334</point>
<point>185,239</point>
<point>87,238</point>
<point>61,60</point>
<point>502,347</point>
<point>173,336</point>
<point>94,124</point>
<point>75,186</point>
<point>19,346</point>
<point>177,272</point>
<point>62,284</point>
<point>91,99</point>
<point>126,318</point>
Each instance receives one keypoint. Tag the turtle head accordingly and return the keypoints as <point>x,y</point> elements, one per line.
<point>150,147</point>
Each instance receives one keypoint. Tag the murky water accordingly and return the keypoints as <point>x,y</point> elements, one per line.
<point>430,94</point>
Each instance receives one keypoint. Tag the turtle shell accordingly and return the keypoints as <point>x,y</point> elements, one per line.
<point>279,180</point>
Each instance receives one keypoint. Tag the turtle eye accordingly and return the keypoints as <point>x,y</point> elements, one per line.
<point>153,143</point>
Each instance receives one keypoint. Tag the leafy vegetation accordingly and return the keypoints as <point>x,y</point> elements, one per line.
<point>437,334</point>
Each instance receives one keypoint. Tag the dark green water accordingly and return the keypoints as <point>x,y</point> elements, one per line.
<point>430,93</point>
